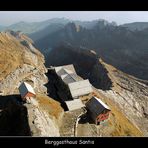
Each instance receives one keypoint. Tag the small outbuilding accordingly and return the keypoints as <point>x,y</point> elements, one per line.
<point>98,110</point>
<point>26,91</point>
<point>74,104</point>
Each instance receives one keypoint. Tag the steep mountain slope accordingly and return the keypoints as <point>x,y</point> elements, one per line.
<point>116,45</point>
<point>20,61</point>
<point>127,92</point>
<point>32,27</point>
<point>96,37</point>
<point>16,49</point>
<point>64,55</point>
<point>132,96</point>
<point>42,115</point>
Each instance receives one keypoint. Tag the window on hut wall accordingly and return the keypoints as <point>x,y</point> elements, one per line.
<point>102,117</point>
<point>106,116</point>
<point>99,118</point>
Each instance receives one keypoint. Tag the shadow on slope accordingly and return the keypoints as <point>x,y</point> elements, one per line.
<point>86,63</point>
<point>55,89</point>
<point>13,117</point>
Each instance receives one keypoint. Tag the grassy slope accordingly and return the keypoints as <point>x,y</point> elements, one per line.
<point>121,125</point>
<point>48,104</point>
<point>118,124</point>
<point>12,53</point>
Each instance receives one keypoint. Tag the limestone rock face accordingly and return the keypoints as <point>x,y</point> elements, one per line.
<point>116,45</point>
<point>21,61</point>
<point>86,63</point>
<point>131,94</point>
<point>128,92</point>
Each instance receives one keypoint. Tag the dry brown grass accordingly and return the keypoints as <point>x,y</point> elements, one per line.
<point>122,126</point>
<point>48,104</point>
<point>12,53</point>
<point>118,122</point>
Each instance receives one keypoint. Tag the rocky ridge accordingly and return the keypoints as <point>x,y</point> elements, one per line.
<point>19,62</point>
<point>127,92</point>
<point>26,63</point>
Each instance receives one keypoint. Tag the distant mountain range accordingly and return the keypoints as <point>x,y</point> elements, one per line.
<point>29,28</point>
<point>32,27</point>
<point>124,46</point>
<point>125,49</point>
<point>136,25</point>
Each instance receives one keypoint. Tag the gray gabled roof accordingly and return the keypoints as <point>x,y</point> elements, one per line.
<point>69,78</point>
<point>76,86</point>
<point>74,104</point>
<point>24,88</point>
<point>66,69</point>
<point>80,88</point>
<point>96,106</point>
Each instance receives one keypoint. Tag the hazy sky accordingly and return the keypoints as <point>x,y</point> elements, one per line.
<point>121,17</point>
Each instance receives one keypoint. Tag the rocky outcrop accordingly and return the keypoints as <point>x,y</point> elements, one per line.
<point>26,63</point>
<point>25,73</point>
<point>85,62</point>
<point>116,45</point>
<point>14,53</point>
<point>131,94</point>
<point>127,92</point>
<point>41,123</point>
<point>20,61</point>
